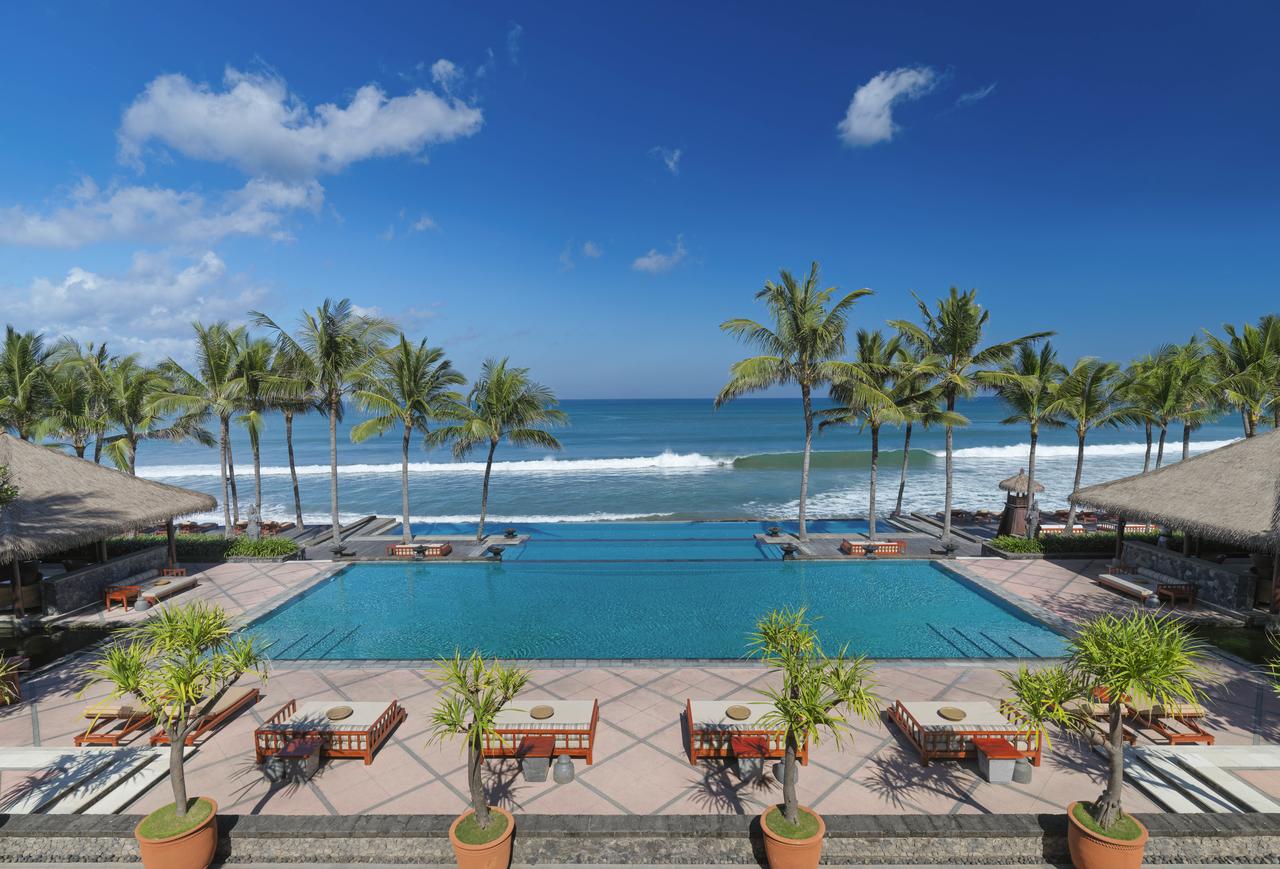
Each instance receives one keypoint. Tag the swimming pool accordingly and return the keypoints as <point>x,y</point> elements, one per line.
<point>643,610</point>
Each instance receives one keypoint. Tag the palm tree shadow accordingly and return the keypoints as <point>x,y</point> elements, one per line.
<point>898,780</point>
<point>716,789</point>
<point>500,787</point>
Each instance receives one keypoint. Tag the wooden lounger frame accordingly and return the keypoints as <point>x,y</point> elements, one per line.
<point>210,722</point>
<point>1193,735</point>
<point>715,743</point>
<point>883,547</point>
<point>505,741</point>
<point>958,744</point>
<point>362,743</point>
<point>411,550</point>
<point>98,734</point>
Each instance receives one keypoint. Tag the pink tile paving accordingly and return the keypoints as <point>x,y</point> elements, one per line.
<point>641,765</point>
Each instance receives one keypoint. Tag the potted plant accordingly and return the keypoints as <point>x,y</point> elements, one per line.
<point>175,663</point>
<point>1136,658</point>
<point>817,694</point>
<point>474,692</point>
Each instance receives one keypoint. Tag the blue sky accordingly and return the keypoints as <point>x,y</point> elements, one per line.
<point>591,188</point>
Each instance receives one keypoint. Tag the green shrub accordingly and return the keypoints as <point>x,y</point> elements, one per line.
<point>1058,544</point>
<point>1008,543</point>
<point>205,548</point>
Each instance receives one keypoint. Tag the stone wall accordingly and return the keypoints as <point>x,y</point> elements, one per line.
<point>1217,585</point>
<point>83,587</point>
<point>658,839</point>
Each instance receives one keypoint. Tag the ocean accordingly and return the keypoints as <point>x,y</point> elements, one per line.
<point>664,459</point>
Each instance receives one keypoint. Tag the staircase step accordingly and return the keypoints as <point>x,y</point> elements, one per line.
<point>88,791</point>
<point>1237,789</point>
<point>1154,786</point>
<point>1190,785</point>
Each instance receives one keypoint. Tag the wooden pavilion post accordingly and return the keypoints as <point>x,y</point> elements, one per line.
<point>1119,541</point>
<point>17,588</point>
<point>171,535</point>
<point>102,550</point>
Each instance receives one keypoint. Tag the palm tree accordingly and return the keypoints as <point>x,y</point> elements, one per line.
<point>1196,399</point>
<point>1135,392</point>
<point>293,394</point>
<point>953,333</point>
<point>803,347</point>
<point>504,404</point>
<point>917,396</point>
<point>1028,386</point>
<point>89,364</point>
<point>1088,398</point>
<point>340,348</point>
<point>68,411</point>
<point>254,368</point>
<point>867,399</point>
<point>410,388</point>
<point>215,388</point>
<point>133,391</point>
<point>1246,368</point>
<point>24,386</point>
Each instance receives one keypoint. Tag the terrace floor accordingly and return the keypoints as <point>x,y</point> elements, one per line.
<point>640,765</point>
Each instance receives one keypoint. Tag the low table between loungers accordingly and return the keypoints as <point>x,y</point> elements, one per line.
<point>937,738</point>
<point>358,735</point>
<point>572,724</point>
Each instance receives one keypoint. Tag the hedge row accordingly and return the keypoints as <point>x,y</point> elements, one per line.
<point>206,547</point>
<point>1055,544</point>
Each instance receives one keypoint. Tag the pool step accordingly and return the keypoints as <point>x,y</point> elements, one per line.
<point>975,643</point>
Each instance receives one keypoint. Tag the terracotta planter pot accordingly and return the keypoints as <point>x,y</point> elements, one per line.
<point>491,855</point>
<point>1090,850</point>
<point>190,850</point>
<point>784,853</point>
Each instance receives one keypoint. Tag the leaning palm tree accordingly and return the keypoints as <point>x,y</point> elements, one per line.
<point>340,347</point>
<point>213,387</point>
<point>254,369</point>
<point>504,404</point>
<point>1028,386</point>
<point>803,348</point>
<point>410,388</point>
<point>953,333</point>
<point>866,399</point>
<point>1088,398</point>
<point>133,392</point>
<point>1246,368</point>
<point>24,381</point>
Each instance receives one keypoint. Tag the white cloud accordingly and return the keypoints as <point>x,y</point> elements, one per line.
<point>669,156</point>
<point>592,250</point>
<point>514,34</point>
<point>446,74</point>
<point>870,116</point>
<point>976,96</point>
<point>146,310</point>
<point>256,124</point>
<point>655,262</point>
<point>90,214</point>
<point>424,223</point>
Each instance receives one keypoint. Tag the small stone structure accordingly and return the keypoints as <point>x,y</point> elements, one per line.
<point>83,587</point>
<point>1215,584</point>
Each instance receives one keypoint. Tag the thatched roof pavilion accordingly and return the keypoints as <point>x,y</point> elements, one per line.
<point>1231,494</point>
<point>64,502</point>
<point>1019,483</point>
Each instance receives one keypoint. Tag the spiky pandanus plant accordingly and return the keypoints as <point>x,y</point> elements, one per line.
<point>504,404</point>
<point>474,692</point>
<point>1135,659</point>
<point>818,693</point>
<point>175,663</point>
<point>802,347</point>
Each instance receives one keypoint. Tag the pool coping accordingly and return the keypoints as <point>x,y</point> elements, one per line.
<point>1049,620</point>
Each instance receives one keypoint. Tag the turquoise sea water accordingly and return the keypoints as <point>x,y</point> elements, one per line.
<point>642,610</point>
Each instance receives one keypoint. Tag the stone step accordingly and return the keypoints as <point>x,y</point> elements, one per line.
<point>1189,785</point>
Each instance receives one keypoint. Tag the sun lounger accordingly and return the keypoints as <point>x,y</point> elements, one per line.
<point>1178,723</point>
<point>572,723</point>
<point>1130,584</point>
<point>857,548</point>
<point>419,550</point>
<point>196,527</point>
<point>715,733</point>
<point>155,590</point>
<point>345,728</point>
<point>1130,527</point>
<point>1097,717</point>
<point>933,728</point>
<point>214,714</point>
<point>112,721</point>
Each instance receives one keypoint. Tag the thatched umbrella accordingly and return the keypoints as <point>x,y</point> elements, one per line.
<point>64,502</point>
<point>1231,494</point>
<point>1014,518</point>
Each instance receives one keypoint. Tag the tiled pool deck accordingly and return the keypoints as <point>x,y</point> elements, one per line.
<point>640,765</point>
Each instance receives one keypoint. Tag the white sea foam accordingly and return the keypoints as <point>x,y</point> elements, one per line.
<point>1058,451</point>
<point>667,462</point>
<point>280,513</point>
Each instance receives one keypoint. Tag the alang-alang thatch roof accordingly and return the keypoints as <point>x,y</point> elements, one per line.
<point>65,502</point>
<point>1230,494</point>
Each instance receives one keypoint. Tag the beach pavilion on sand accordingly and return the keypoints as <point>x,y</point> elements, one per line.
<point>1230,495</point>
<point>66,503</point>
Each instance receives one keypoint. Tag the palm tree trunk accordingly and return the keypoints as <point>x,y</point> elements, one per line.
<point>333,470</point>
<point>484,491</point>
<point>1033,515</point>
<point>871,501</point>
<point>231,474</point>
<point>178,776</point>
<point>1164,433</point>
<point>226,498</point>
<point>1146,458</point>
<point>1071,513</point>
<point>80,447</point>
<point>804,464</point>
<point>293,468</point>
<point>132,441</point>
<point>902,477</point>
<point>790,804</point>
<point>1107,809</point>
<point>1186,441</point>
<point>475,762</point>
<point>257,476</point>
<point>405,534</point>
<point>950,465</point>
<point>97,446</point>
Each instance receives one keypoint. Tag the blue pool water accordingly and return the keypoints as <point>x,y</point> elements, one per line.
<point>611,610</point>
